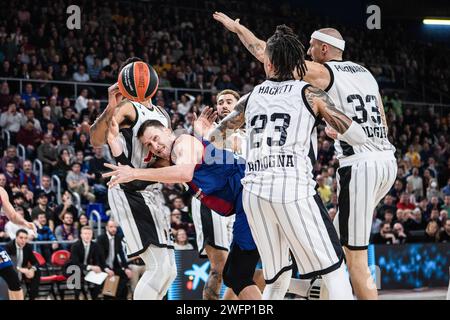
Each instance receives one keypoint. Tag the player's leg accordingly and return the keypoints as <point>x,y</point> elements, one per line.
<point>171,271</point>
<point>11,278</point>
<point>239,271</point>
<point>271,244</point>
<point>315,244</point>
<point>155,281</point>
<point>217,259</point>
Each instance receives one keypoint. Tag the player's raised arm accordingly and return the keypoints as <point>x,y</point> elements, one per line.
<point>316,73</point>
<point>324,107</point>
<point>117,108</point>
<point>229,124</point>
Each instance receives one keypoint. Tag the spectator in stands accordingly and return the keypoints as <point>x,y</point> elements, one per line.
<point>28,94</point>
<point>27,266</point>
<point>110,244</point>
<point>29,137</point>
<point>67,230</point>
<point>446,189</point>
<point>19,201</point>
<point>42,207</point>
<point>389,217</point>
<point>81,75</point>
<point>11,120</point>
<point>46,188</point>
<point>87,255</point>
<point>56,110</point>
<point>446,204</point>
<point>29,116</point>
<point>26,176</point>
<point>416,221</point>
<point>431,232</point>
<point>44,233</point>
<point>417,183</point>
<point>5,96</point>
<point>397,190</point>
<point>12,179</point>
<point>78,182</point>
<point>323,189</point>
<point>11,156</point>
<point>177,223</point>
<point>413,157</point>
<point>185,105</point>
<point>82,101</point>
<point>399,233</point>
<point>404,202</point>
<point>433,191</point>
<point>3,234</point>
<point>444,235</point>
<point>434,216</point>
<point>67,122</point>
<point>63,165</point>
<point>181,241</point>
<point>82,221</point>
<point>47,153</point>
<point>65,206</point>
<point>385,236</point>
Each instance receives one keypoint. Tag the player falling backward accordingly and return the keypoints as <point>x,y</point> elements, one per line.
<point>7,269</point>
<point>138,206</point>
<point>366,172</point>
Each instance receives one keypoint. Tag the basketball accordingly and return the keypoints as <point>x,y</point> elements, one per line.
<point>138,81</point>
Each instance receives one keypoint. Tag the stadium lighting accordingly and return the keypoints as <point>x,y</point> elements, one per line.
<point>437,22</point>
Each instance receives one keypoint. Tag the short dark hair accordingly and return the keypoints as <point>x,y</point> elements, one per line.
<point>286,53</point>
<point>229,91</point>
<point>148,123</point>
<point>128,61</point>
<point>21,231</point>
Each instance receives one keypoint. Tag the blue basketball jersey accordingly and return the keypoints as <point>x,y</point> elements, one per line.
<point>5,260</point>
<point>217,184</point>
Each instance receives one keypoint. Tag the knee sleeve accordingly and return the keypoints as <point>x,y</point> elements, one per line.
<point>11,278</point>
<point>277,290</point>
<point>240,268</point>
<point>160,272</point>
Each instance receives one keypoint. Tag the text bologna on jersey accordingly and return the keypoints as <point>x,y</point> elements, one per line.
<point>271,161</point>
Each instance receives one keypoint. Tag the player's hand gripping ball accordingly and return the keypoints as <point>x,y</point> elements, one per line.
<point>138,81</point>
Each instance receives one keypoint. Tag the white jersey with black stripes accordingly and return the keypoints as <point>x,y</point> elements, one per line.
<point>281,142</point>
<point>355,92</point>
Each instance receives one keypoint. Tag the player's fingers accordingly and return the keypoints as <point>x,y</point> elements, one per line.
<point>110,174</point>
<point>111,166</point>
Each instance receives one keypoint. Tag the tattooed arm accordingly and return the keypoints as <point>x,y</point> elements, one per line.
<point>316,73</point>
<point>323,106</point>
<point>229,124</point>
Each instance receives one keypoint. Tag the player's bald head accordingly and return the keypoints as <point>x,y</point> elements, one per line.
<point>321,50</point>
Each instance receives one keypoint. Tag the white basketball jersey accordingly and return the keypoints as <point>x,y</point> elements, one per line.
<point>134,150</point>
<point>281,142</point>
<point>355,92</point>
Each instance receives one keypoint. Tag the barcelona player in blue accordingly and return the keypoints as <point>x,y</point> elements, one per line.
<point>7,269</point>
<point>214,177</point>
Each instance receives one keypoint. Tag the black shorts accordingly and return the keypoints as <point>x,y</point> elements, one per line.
<point>11,278</point>
<point>240,267</point>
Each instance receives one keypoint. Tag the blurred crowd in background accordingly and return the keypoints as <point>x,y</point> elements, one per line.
<point>192,52</point>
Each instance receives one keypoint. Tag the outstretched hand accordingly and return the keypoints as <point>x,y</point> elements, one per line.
<point>204,123</point>
<point>120,174</point>
<point>227,22</point>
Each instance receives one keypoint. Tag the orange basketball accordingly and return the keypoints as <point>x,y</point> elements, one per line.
<point>138,81</point>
